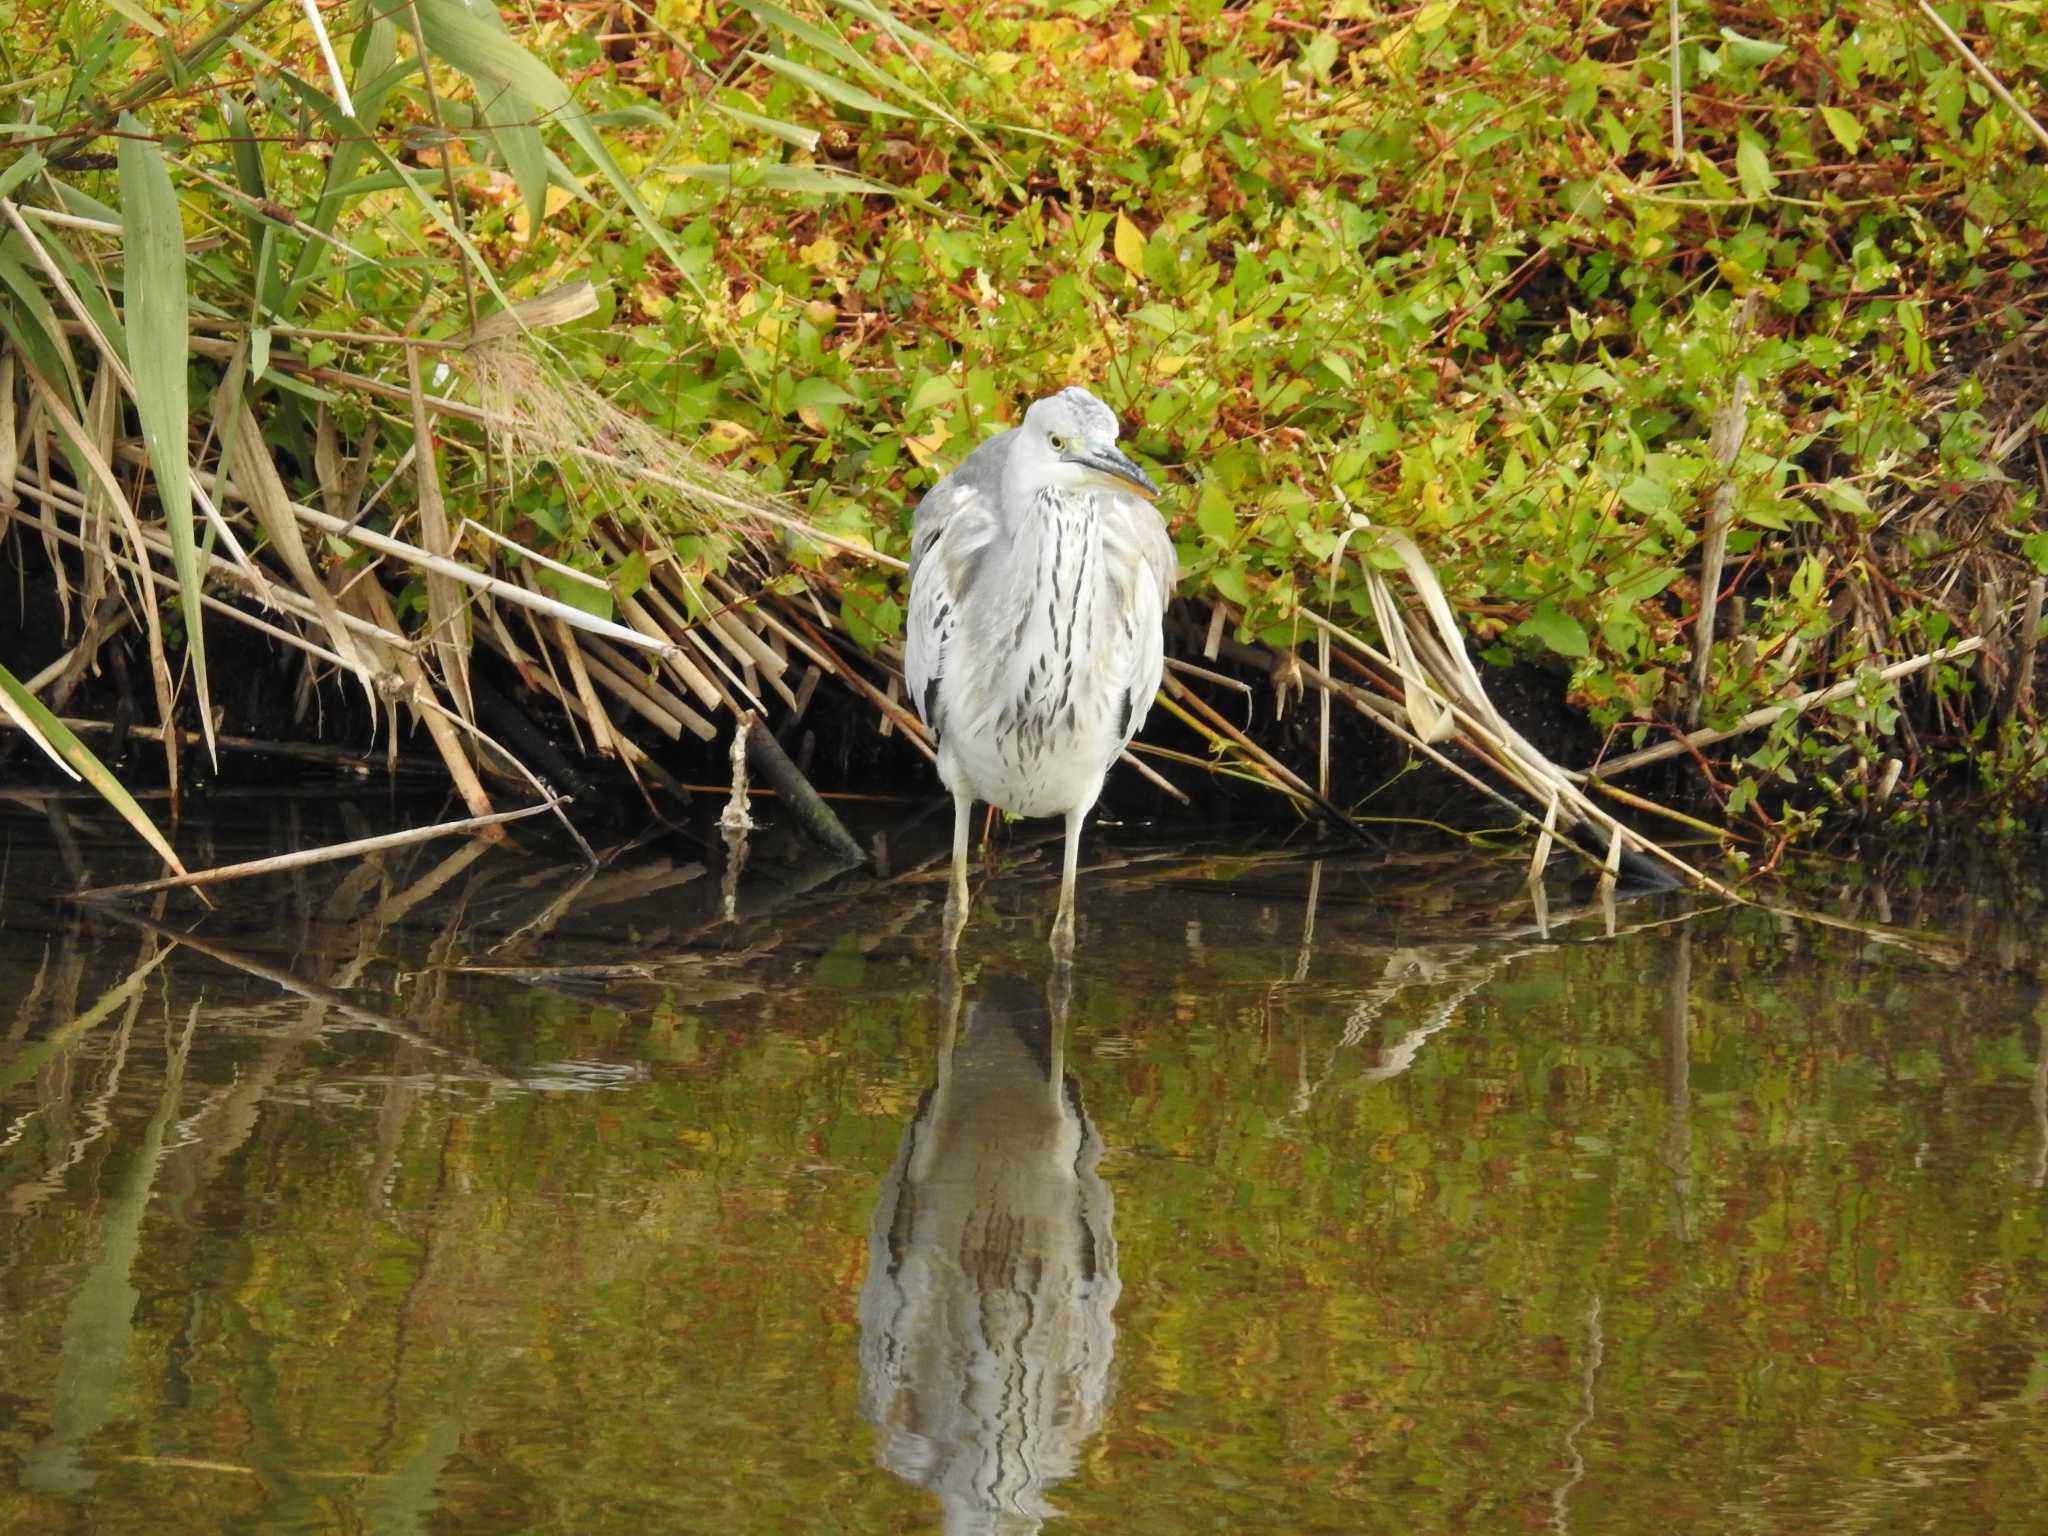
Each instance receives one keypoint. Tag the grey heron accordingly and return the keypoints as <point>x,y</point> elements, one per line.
<point>1039,576</point>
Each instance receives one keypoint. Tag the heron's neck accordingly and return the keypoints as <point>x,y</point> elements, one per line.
<point>1066,558</point>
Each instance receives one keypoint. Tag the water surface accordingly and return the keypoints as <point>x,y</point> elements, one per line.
<point>465,1191</point>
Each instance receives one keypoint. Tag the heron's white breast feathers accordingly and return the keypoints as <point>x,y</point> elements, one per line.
<point>1033,643</point>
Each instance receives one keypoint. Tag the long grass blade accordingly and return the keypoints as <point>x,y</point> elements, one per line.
<point>831,87</point>
<point>77,759</point>
<point>31,324</point>
<point>153,253</point>
<point>482,51</point>
<point>445,614</point>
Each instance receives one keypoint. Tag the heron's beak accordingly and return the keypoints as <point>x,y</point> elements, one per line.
<point>1117,465</point>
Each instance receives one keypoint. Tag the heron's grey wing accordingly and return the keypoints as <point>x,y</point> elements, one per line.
<point>1145,568</point>
<point>958,527</point>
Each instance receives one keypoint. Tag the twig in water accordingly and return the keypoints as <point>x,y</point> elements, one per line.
<point>306,856</point>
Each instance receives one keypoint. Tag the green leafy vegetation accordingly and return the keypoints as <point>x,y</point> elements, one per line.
<point>1467,270</point>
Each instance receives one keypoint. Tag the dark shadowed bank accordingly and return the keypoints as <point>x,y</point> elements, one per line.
<point>528,421</point>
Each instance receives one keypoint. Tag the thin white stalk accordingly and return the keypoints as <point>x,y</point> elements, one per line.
<point>1983,72</point>
<point>424,560</point>
<point>471,525</point>
<point>334,75</point>
<point>1770,712</point>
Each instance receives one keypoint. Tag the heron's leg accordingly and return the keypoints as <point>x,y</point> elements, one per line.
<point>1059,989</point>
<point>926,1150</point>
<point>949,1015</point>
<point>956,893</point>
<point>1063,921</point>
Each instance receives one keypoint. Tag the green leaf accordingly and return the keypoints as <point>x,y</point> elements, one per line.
<point>817,180</point>
<point>76,759</point>
<point>34,328</point>
<point>1642,494</point>
<point>1847,131</point>
<point>138,15</point>
<point>631,575</point>
<point>2035,547</point>
<point>1636,589</point>
<point>805,139</point>
<point>1753,167</point>
<point>153,288</point>
<point>935,390</point>
<point>1230,581</point>
<point>519,145</point>
<point>595,601</point>
<point>913,40</point>
<point>815,392</point>
<point>829,86</point>
<point>25,165</point>
<point>1846,497</point>
<point>1214,514</point>
<point>1556,629</point>
<point>1748,50</point>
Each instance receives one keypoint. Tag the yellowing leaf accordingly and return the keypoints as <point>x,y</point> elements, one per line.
<point>724,436</point>
<point>1130,246</point>
<point>553,202</point>
<point>926,447</point>
<point>1433,17</point>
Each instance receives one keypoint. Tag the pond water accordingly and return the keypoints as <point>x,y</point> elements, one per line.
<point>465,1191</point>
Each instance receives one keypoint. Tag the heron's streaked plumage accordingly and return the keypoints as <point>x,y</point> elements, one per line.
<point>1039,576</point>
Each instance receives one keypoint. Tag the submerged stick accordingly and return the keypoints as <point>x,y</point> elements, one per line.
<point>815,818</point>
<point>306,856</point>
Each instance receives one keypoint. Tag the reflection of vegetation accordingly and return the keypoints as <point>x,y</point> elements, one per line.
<point>102,1311</point>
<point>468,1288</point>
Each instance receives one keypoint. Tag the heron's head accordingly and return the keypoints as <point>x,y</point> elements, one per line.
<point>1069,440</point>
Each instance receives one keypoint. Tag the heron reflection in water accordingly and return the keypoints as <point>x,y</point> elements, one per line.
<point>986,1327</point>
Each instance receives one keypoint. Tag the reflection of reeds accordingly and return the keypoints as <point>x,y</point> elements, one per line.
<point>94,1354</point>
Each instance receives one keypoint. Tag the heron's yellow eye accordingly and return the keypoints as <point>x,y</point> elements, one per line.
<point>1055,442</point>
